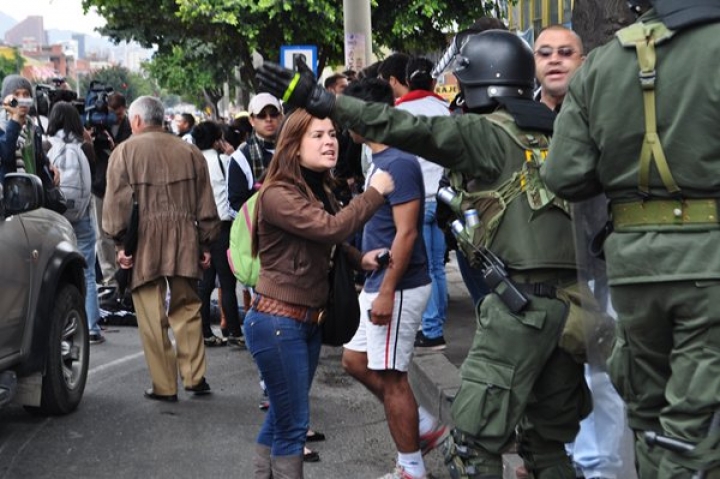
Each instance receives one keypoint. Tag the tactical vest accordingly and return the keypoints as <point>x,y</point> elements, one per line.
<point>491,205</point>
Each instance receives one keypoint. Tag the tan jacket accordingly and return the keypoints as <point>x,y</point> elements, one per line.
<point>178,216</point>
<point>296,236</point>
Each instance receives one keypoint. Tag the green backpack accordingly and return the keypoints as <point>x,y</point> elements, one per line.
<point>243,264</point>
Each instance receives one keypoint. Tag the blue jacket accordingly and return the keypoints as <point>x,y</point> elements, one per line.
<point>8,144</point>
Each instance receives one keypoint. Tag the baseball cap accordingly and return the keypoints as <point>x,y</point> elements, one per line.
<point>261,100</point>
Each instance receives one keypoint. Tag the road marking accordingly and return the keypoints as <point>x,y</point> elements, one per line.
<point>114,363</point>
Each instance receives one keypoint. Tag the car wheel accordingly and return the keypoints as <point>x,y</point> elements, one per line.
<point>66,366</point>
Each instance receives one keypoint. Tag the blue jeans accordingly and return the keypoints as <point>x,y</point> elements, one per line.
<point>85,232</point>
<point>435,313</point>
<point>286,351</point>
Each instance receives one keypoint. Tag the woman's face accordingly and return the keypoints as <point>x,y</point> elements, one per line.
<point>319,147</point>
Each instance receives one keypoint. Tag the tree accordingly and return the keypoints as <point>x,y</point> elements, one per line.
<point>230,30</point>
<point>597,20</point>
<point>194,74</point>
<point>122,80</point>
<point>9,66</point>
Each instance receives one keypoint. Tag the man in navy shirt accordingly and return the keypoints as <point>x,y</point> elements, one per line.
<point>394,298</point>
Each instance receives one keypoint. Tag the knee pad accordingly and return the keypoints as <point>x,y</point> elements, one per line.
<point>465,460</point>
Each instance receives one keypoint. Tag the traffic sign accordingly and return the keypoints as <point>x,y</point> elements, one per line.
<point>308,53</point>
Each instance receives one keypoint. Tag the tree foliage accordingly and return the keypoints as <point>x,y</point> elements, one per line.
<point>209,38</point>
<point>122,80</point>
<point>14,65</point>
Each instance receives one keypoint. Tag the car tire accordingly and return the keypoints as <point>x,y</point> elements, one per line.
<point>66,366</point>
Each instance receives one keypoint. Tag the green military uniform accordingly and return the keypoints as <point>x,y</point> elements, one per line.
<point>663,258</point>
<point>515,373</point>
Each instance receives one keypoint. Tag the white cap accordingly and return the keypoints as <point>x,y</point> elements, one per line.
<point>261,100</point>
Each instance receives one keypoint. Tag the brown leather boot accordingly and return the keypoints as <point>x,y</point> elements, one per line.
<point>261,462</point>
<point>287,467</point>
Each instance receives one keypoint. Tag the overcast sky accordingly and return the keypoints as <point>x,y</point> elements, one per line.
<point>60,14</point>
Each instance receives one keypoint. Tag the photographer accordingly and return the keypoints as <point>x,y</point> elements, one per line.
<point>20,140</point>
<point>110,127</point>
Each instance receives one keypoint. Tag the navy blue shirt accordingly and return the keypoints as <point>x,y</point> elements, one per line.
<point>380,231</point>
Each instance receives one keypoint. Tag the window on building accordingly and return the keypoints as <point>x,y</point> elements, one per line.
<point>555,6</point>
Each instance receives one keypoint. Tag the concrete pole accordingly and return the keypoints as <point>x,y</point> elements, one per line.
<point>358,34</point>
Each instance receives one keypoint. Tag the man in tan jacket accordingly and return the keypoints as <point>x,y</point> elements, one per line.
<point>177,220</point>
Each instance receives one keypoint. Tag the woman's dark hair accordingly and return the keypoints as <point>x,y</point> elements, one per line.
<point>206,134</point>
<point>64,116</point>
<point>418,74</point>
<point>243,127</point>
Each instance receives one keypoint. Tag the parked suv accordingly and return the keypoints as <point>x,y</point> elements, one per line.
<point>43,326</point>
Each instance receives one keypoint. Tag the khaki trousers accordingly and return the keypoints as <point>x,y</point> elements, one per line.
<point>182,315</point>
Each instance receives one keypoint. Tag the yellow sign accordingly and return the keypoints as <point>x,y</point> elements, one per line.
<point>447,87</point>
<point>447,91</point>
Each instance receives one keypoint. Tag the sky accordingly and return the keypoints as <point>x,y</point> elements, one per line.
<point>59,14</point>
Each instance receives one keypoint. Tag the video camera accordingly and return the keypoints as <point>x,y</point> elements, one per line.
<point>96,112</point>
<point>47,95</point>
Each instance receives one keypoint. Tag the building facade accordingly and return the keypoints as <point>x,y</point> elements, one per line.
<point>530,16</point>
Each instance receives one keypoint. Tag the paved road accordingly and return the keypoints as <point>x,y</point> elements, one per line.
<point>117,433</point>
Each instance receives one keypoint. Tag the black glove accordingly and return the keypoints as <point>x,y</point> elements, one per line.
<point>298,88</point>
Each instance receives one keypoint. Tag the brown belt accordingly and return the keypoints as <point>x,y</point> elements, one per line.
<point>304,314</point>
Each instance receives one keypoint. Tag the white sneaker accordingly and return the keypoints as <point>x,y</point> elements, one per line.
<point>400,473</point>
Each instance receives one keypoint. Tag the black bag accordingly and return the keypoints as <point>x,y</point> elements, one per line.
<point>55,199</point>
<point>342,314</point>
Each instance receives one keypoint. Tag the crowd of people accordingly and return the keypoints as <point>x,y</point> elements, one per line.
<point>356,164</point>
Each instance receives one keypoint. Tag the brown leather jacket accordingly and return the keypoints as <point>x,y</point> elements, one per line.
<point>296,236</point>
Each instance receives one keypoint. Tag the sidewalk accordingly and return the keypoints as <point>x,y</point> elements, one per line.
<point>435,376</point>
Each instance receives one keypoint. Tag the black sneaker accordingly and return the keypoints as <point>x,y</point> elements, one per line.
<point>431,344</point>
<point>96,338</point>
<point>199,389</point>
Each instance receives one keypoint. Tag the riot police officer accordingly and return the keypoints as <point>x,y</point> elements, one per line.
<point>639,124</point>
<point>516,374</point>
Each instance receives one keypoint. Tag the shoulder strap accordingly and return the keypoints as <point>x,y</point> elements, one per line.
<point>643,37</point>
<point>526,139</point>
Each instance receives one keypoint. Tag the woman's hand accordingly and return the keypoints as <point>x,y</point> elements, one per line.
<point>383,182</point>
<point>55,175</point>
<point>224,147</point>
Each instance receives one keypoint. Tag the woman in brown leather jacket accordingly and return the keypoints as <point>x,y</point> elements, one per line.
<point>298,223</point>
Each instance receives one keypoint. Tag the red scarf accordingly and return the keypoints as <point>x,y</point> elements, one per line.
<point>416,95</point>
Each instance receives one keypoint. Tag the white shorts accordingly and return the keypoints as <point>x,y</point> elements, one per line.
<point>391,346</point>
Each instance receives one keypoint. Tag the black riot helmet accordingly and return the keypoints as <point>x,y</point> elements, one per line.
<point>494,63</point>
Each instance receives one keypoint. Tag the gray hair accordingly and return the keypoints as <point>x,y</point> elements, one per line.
<point>150,110</point>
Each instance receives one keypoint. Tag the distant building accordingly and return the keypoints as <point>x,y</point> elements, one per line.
<point>29,34</point>
<point>80,39</point>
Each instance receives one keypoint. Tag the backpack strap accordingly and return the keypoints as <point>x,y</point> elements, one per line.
<point>643,37</point>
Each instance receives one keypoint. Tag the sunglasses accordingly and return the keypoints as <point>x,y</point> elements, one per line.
<point>272,114</point>
<point>547,52</point>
